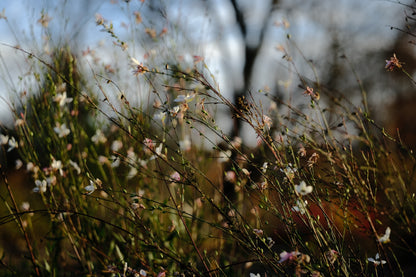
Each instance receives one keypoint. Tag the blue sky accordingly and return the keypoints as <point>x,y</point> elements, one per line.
<point>366,22</point>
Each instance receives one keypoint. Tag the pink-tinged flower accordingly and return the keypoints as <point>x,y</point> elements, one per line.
<point>139,67</point>
<point>285,256</point>
<point>393,63</point>
<point>149,146</point>
<point>303,189</point>
<point>258,232</point>
<point>99,19</point>
<point>230,176</point>
<point>237,141</point>
<point>175,177</point>
<point>197,59</point>
<point>309,91</point>
<point>313,159</point>
<point>377,260</point>
<point>161,274</point>
<point>267,122</point>
<point>331,255</point>
<point>386,237</point>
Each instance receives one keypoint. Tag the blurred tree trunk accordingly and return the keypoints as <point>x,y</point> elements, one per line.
<point>251,51</point>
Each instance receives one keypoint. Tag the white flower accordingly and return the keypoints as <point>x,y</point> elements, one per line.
<point>98,137</point>
<point>41,186</point>
<point>386,237</point>
<point>158,151</point>
<point>161,116</point>
<point>303,189</point>
<point>185,144</point>
<point>300,206</point>
<point>289,171</point>
<point>57,166</point>
<point>62,99</point>
<point>267,122</point>
<point>264,167</point>
<point>185,98</point>
<point>19,164</point>
<point>255,275</point>
<point>12,144</point>
<point>75,166</point>
<point>25,206</point>
<point>19,122</point>
<point>115,161</point>
<point>175,177</point>
<point>174,111</point>
<point>4,139</point>
<point>91,187</point>
<point>61,130</point>
<point>377,260</point>
<point>116,145</point>
<point>132,173</point>
<point>224,156</point>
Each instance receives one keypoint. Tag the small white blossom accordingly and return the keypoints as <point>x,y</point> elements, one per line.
<point>161,116</point>
<point>264,167</point>
<point>91,187</point>
<point>57,166</point>
<point>174,111</point>
<point>224,156</point>
<point>184,98</point>
<point>25,206</point>
<point>75,166</point>
<point>300,206</point>
<point>12,144</point>
<point>19,122</point>
<point>158,151</point>
<point>289,171</point>
<point>116,145</point>
<point>4,139</point>
<point>115,161</point>
<point>185,144</point>
<point>19,164</point>
<point>303,189</point>
<point>267,122</point>
<point>255,275</point>
<point>62,99</point>
<point>132,173</point>
<point>99,137</point>
<point>377,260</point>
<point>61,130</point>
<point>41,186</point>
<point>386,237</point>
